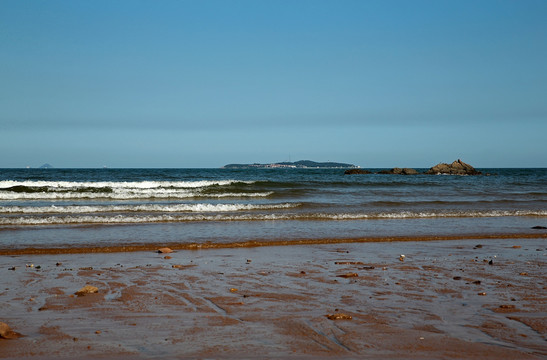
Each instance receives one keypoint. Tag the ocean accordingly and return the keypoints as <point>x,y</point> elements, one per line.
<point>64,208</point>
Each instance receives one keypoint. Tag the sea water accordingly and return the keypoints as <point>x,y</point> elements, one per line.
<point>100,207</point>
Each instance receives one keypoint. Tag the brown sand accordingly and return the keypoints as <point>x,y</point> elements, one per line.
<point>443,299</point>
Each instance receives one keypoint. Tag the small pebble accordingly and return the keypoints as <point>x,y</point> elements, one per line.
<point>348,275</point>
<point>7,333</point>
<point>339,316</point>
<point>88,289</point>
<point>507,306</point>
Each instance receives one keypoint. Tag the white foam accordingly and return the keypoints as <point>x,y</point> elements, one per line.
<point>64,190</point>
<point>83,209</point>
<point>127,195</point>
<point>130,219</point>
<point>121,184</point>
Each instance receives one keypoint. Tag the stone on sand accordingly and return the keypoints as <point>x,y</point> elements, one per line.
<point>165,250</point>
<point>348,275</point>
<point>88,289</point>
<point>339,316</point>
<point>7,333</point>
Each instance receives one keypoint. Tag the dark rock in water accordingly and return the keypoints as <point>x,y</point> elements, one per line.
<point>399,171</point>
<point>539,227</point>
<point>458,167</point>
<point>409,171</point>
<point>356,171</point>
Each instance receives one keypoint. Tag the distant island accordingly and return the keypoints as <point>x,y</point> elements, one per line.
<point>302,164</point>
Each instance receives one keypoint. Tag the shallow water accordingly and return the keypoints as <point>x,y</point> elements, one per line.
<point>88,207</point>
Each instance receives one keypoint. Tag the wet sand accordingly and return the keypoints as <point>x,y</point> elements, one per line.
<point>456,298</point>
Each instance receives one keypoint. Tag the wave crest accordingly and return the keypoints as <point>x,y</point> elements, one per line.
<point>167,217</point>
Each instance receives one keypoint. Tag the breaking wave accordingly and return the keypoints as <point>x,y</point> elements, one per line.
<point>67,190</point>
<point>126,218</point>
<point>168,208</point>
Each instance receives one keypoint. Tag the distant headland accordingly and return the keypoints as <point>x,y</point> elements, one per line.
<point>302,164</point>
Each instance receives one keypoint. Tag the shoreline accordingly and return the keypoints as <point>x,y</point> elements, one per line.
<point>446,299</point>
<point>152,246</point>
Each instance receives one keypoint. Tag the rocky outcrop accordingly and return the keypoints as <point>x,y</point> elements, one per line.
<point>399,171</point>
<point>356,171</point>
<point>458,167</point>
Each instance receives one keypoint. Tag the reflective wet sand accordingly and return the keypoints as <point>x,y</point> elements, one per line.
<point>455,298</point>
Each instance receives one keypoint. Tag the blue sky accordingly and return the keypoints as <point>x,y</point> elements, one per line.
<point>204,83</point>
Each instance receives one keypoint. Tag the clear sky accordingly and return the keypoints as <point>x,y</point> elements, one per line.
<point>377,83</point>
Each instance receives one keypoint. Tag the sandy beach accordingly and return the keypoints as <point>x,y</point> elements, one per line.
<point>470,298</point>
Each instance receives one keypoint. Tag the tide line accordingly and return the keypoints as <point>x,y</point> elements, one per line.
<point>255,243</point>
